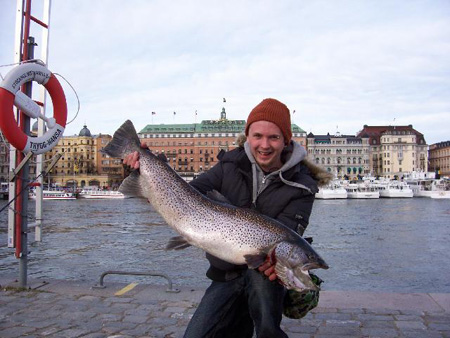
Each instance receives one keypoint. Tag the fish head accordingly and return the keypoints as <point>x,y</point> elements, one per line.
<point>293,260</point>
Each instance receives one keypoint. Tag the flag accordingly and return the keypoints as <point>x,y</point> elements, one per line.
<point>224,100</point>
<point>153,113</point>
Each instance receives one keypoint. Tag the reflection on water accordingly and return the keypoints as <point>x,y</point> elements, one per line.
<point>396,245</point>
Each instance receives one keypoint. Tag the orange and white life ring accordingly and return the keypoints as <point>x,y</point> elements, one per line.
<point>9,88</point>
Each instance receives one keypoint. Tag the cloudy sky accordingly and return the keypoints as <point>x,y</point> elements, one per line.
<point>339,64</point>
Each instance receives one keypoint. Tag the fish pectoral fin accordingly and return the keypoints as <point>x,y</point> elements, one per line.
<point>254,261</point>
<point>177,243</point>
<point>217,196</point>
<point>131,185</point>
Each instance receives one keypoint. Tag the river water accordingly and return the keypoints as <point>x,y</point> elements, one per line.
<point>390,245</point>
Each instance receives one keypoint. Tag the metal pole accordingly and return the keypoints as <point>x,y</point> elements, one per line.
<point>23,178</point>
<point>21,204</point>
<point>42,95</point>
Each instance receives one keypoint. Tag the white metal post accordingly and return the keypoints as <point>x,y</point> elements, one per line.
<point>42,98</point>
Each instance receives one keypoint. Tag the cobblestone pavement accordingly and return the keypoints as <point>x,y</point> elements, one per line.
<point>75,309</point>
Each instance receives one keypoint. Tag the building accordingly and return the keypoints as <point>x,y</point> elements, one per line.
<point>395,150</point>
<point>4,159</point>
<point>82,163</point>
<point>439,158</point>
<point>193,148</point>
<point>345,156</point>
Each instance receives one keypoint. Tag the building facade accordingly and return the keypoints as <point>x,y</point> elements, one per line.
<point>395,150</point>
<point>193,148</point>
<point>4,159</point>
<point>439,158</point>
<point>82,163</point>
<point>345,156</point>
<point>5,149</point>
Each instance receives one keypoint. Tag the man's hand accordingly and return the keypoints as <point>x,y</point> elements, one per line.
<point>268,269</point>
<point>132,159</point>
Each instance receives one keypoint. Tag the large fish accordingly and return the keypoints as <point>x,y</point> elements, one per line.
<point>235,235</point>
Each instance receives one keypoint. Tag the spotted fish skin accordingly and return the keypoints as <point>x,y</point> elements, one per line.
<point>235,235</point>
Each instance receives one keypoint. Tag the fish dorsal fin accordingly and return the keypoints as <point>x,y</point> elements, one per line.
<point>131,186</point>
<point>217,196</point>
<point>177,243</point>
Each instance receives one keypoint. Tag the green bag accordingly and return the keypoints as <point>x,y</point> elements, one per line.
<point>298,304</point>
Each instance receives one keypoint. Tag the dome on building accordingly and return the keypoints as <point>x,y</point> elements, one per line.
<point>85,132</point>
<point>34,128</point>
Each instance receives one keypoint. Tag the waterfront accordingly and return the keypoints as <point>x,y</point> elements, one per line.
<point>388,245</point>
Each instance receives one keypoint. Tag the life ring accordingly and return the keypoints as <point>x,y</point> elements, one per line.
<point>8,124</point>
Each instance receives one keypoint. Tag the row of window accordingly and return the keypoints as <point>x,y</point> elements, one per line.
<point>186,144</point>
<point>184,151</point>
<point>186,135</point>
<point>75,150</point>
<point>87,143</point>
<point>338,151</point>
<point>339,160</point>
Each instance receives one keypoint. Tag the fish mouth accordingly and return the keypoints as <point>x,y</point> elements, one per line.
<point>295,279</point>
<point>315,265</point>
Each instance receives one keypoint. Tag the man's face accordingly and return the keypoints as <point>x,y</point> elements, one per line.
<point>266,144</point>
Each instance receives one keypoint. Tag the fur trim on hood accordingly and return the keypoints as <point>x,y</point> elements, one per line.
<point>322,176</point>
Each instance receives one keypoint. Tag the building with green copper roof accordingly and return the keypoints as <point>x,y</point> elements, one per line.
<point>223,125</point>
<point>193,147</point>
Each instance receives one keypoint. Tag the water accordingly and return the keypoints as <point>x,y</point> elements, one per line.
<point>391,245</point>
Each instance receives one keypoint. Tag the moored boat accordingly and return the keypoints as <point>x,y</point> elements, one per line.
<point>431,188</point>
<point>394,189</point>
<point>54,195</point>
<point>362,190</point>
<point>333,190</point>
<point>100,194</point>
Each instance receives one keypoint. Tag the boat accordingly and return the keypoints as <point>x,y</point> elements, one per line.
<point>431,188</point>
<point>362,190</point>
<point>90,193</point>
<point>333,190</point>
<point>394,189</point>
<point>54,195</point>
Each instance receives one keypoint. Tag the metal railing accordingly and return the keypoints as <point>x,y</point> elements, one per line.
<point>170,288</point>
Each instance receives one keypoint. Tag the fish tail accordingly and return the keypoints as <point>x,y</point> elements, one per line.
<point>124,141</point>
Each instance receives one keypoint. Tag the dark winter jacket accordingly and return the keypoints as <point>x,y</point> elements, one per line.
<point>286,194</point>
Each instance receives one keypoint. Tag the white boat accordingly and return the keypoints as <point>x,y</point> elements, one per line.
<point>333,190</point>
<point>394,189</point>
<point>431,188</point>
<point>54,195</point>
<point>100,194</point>
<point>362,190</point>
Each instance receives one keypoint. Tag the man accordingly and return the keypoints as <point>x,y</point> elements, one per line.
<point>268,173</point>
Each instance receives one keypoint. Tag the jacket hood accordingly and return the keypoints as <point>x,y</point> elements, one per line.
<point>294,154</point>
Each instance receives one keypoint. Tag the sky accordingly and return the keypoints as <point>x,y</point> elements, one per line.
<point>339,64</point>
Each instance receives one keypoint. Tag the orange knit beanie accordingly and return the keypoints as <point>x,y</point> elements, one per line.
<point>273,111</point>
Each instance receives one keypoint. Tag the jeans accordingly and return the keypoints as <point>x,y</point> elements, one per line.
<point>237,307</point>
